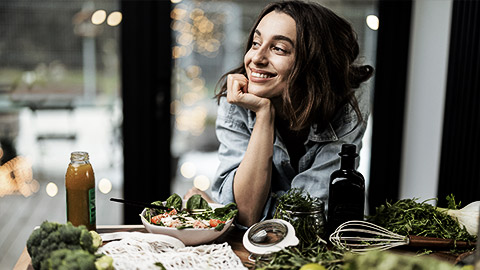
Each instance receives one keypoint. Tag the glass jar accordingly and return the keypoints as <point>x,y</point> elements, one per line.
<point>80,189</point>
<point>309,223</point>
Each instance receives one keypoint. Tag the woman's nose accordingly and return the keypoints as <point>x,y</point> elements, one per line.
<point>260,57</point>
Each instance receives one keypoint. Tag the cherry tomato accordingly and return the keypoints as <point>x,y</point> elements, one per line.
<point>156,219</point>
<point>214,222</point>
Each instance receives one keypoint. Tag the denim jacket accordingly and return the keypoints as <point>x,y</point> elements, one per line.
<point>234,125</point>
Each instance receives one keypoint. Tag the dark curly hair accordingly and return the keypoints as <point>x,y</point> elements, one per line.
<point>325,75</point>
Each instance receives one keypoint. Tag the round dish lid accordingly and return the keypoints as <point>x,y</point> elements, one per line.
<point>269,236</point>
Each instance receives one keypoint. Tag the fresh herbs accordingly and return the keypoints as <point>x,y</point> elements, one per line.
<point>297,200</point>
<point>408,217</point>
<point>452,204</point>
<point>305,213</point>
<point>295,257</point>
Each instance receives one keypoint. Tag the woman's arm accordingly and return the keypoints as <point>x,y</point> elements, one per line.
<point>252,180</point>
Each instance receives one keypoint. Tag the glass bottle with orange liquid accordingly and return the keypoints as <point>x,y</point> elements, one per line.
<point>80,189</point>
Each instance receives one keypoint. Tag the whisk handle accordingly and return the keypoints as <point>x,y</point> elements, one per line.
<point>422,241</point>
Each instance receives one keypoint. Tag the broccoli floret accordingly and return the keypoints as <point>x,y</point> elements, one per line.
<point>104,263</point>
<point>96,240</point>
<point>86,241</point>
<point>65,259</point>
<point>78,259</point>
<point>53,236</point>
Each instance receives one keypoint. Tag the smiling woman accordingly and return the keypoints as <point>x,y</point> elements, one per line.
<point>287,110</point>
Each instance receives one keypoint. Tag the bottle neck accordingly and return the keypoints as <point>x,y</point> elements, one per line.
<point>347,163</point>
<point>79,157</point>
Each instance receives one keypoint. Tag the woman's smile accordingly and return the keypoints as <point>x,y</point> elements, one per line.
<point>259,76</point>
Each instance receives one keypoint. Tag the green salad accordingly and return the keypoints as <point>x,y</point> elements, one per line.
<point>186,218</point>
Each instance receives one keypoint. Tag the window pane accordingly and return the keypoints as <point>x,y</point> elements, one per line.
<point>59,93</point>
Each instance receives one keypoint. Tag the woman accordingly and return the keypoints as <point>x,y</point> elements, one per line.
<point>286,111</point>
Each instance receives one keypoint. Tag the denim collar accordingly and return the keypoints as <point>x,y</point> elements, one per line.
<point>326,135</point>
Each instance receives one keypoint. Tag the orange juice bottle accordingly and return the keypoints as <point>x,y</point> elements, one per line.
<point>80,189</point>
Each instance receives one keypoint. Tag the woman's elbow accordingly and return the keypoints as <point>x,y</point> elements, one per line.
<point>248,218</point>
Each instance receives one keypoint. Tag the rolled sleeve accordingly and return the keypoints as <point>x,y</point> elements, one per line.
<point>233,129</point>
<point>233,134</point>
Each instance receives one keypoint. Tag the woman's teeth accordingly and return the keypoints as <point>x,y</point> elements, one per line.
<point>261,75</point>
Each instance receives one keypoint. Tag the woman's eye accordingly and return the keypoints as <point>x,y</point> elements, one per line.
<point>279,50</point>
<point>255,44</point>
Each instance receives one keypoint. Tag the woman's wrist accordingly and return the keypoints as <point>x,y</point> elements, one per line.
<point>266,110</point>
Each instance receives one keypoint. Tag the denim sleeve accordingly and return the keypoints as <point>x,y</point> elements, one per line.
<point>233,134</point>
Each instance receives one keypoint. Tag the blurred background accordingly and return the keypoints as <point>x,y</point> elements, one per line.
<point>132,84</point>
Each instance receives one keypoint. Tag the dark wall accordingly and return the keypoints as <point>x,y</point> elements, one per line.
<point>146,71</point>
<point>460,159</point>
<point>389,101</point>
<point>458,172</point>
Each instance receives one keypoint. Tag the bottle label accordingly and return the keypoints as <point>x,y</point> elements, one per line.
<point>91,206</point>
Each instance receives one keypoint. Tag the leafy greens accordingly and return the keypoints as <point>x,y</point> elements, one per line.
<point>197,202</point>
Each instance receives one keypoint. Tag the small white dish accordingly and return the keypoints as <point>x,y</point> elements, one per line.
<point>189,236</point>
<point>269,236</point>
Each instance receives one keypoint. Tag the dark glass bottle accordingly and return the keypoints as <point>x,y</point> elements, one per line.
<point>346,200</point>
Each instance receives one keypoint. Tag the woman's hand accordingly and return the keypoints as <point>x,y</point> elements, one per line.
<point>237,93</point>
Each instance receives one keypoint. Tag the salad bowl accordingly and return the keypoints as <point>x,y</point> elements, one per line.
<point>189,236</point>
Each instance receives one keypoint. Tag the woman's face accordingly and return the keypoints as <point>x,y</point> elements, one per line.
<point>271,56</point>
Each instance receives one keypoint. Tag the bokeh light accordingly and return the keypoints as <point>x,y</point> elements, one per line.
<point>193,71</point>
<point>191,120</point>
<point>105,185</point>
<point>34,186</point>
<point>51,189</point>
<point>16,176</point>
<point>201,182</point>
<point>178,13</point>
<point>115,18</point>
<point>99,16</point>
<point>188,170</point>
<point>373,22</point>
<point>174,107</point>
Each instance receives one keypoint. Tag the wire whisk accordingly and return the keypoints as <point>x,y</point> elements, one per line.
<point>361,236</point>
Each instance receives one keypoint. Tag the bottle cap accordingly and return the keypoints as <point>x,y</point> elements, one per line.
<point>348,150</point>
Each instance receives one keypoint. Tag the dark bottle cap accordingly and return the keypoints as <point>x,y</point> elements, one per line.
<point>348,150</point>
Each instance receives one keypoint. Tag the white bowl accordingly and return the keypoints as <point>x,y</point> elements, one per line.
<point>189,236</point>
